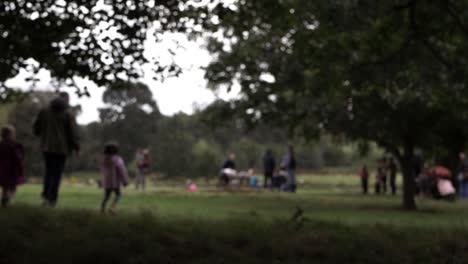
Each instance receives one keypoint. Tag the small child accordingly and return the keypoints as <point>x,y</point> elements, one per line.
<point>191,186</point>
<point>114,174</point>
<point>379,181</point>
<point>253,179</point>
<point>279,178</point>
<point>11,164</point>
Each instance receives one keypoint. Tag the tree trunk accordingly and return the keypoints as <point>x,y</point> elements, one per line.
<point>409,186</point>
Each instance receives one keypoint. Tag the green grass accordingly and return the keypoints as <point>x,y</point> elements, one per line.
<point>165,224</point>
<point>326,198</point>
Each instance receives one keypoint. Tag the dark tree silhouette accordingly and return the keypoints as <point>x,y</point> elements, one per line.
<point>98,40</point>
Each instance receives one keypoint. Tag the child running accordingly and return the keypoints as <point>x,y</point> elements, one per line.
<point>114,175</point>
<point>11,164</point>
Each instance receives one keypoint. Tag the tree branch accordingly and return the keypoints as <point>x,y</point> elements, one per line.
<point>436,54</point>
<point>415,28</point>
<point>456,18</point>
<point>401,7</point>
<point>390,148</point>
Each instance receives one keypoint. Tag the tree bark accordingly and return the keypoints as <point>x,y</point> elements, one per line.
<point>407,163</point>
<point>409,186</point>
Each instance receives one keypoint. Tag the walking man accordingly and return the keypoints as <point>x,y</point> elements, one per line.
<point>58,132</point>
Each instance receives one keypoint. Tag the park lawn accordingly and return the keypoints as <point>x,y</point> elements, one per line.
<point>167,225</point>
<point>328,198</point>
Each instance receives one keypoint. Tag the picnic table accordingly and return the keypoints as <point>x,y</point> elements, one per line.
<point>235,177</point>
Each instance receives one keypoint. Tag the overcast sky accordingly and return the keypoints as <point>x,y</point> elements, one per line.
<point>178,94</point>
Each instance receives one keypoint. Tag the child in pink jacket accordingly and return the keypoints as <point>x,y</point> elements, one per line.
<point>11,164</point>
<point>114,175</point>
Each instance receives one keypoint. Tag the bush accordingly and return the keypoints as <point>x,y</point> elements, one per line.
<point>207,158</point>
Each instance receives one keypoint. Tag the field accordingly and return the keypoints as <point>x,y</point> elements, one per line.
<point>165,224</point>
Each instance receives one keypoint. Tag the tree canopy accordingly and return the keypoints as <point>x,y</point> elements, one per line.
<point>102,41</point>
<point>392,72</point>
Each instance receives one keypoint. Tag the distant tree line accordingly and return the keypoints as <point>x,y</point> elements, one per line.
<point>181,145</point>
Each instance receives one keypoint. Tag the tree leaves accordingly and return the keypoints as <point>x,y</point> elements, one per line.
<point>399,64</point>
<point>89,39</point>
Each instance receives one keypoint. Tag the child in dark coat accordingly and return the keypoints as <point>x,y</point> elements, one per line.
<point>11,164</point>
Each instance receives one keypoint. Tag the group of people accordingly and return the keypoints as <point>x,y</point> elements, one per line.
<point>436,182</point>
<point>432,181</point>
<point>439,182</point>
<point>57,130</point>
<point>282,178</point>
<point>387,169</point>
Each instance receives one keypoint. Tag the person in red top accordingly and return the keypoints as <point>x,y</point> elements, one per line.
<point>11,164</point>
<point>364,179</point>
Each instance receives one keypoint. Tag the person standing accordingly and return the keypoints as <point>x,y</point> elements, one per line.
<point>138,161</point>
<point>269,165</point>
<point>11,164</point>
<point>289,164</point>
<point>56,127</point>
<point>364,174</point>
<point>463,175</point>
<point>392,170</point>
<point>384,174</point>
<point>379,183</point>
<point>143,167</point>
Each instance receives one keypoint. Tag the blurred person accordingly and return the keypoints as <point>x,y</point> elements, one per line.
<point>143,161</point>
<point>441,185</point>
<point>425,182</point>
<point>11,164</point>
<point>463,175</point>
<point>190,186</point>
<point>364,175</point>
<point>138,161</point>
<point>379,182</point>
<point>56,127</point>
<point>279,179</point>
<point>253,179</point>
<point>228,170</point>
<point>230,162</point>
<point>392,171</point>
<point>384,174</point>
<point>269,165</point>
<point>114,175</point>
<point>446,190</point>
<point>289,164</point>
